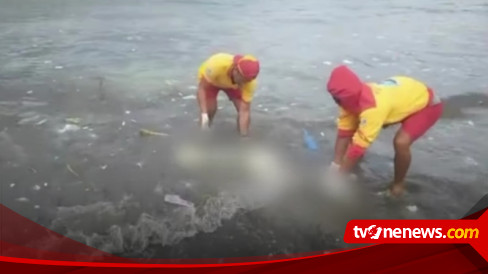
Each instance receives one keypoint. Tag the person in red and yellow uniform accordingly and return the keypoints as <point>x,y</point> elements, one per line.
<point>366,108</point>
<point>236,76</point>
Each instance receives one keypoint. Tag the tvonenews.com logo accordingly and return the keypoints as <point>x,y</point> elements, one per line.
<point>374,232</point>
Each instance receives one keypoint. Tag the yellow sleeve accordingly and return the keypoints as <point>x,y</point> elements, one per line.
<point>370,124</point>
<point>248,91</point>
<point>346,122</point>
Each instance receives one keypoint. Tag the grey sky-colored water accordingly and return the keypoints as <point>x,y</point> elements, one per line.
<point>55,54</point>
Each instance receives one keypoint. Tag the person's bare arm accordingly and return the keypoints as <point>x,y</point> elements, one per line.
<point>202,103</point>
<point>244,117</point>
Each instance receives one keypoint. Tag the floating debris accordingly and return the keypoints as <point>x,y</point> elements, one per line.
<point>328,63</point>
<point>70,169</point>
<point>192,87</point>
<point>29,120</point>
<point>48,62</point>
<point>480,102</point>
<point>471,123</point>
<point>37,187</point>
<point>37,207</point>
<point>123,123</point>
<point>412,208</point>
<point>146,132</point>
<point>30,92</point>
<point>103,167</point>
<point>41,122</point>
<point>189,97</point>
<point>68,128</point>
<point>12,185</point>
<point>58,67</point>
<point>322,134</point>
<point>22,199</point>
<point>45,184</point>
<point>345,61</point>
<point>265,110</point>
<point>139,164</point>
<point>74,121</point>
<point>127,112</point>
<point>177,200</point>
<point>430,138</point>
<point>173,99</point>
<point>133,120</point>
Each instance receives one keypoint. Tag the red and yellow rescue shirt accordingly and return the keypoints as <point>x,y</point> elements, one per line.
<point>217,71</point>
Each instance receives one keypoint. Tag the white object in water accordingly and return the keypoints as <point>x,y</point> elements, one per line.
<point>48,62</point>
<point>123,123</point>
<point>192,87</point>
<point>41,122</point>
<point>412,208</point>
<point>22,199</point>
<point>58,67</point>
<point>470,123</point>
<point>45,184</point>
<point>104,167</point>
<point>189,97</point>
<point>322,134</point>
<point>173,99</point>
<point>328,63</point>
<point>37,187</point>
<point>177,200</point>
<point>68,127</point>
<point>12,185</point>
<point>37,207</point>
<point>127,112</point>
<point>30,92</point>
<point>345,61</point>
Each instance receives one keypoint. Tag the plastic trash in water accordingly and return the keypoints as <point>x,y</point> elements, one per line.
<point>189,97</point>
<point>146,132</point>
<point>309,140</point>
<point>412,208</point>
<point>177,200</point>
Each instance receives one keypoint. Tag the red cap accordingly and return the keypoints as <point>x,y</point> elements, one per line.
<point>247,65</point>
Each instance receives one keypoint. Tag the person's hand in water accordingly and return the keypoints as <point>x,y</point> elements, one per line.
<point>204,121</point>
<point>397,189</point>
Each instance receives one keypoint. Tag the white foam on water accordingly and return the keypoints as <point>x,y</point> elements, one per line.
<point>177,200</point>
<point>192,87</point>
<point>349,62</point>
<point>45,184</point>
<point>12,185</point>
<point>328,63</point>
<point>37,187</point>
<point>22,199</point>
<point>30,92</point>
<point>37,207</point>
<point>58,67</point>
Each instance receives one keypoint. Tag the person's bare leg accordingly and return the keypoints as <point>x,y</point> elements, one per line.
<point>403,157</point>
<point>237,103</point>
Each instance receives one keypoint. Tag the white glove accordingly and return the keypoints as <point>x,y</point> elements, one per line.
<point>205,121</point>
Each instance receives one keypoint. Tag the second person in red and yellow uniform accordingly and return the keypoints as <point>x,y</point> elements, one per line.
<point>236,76</point>
<point>366,108</point>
